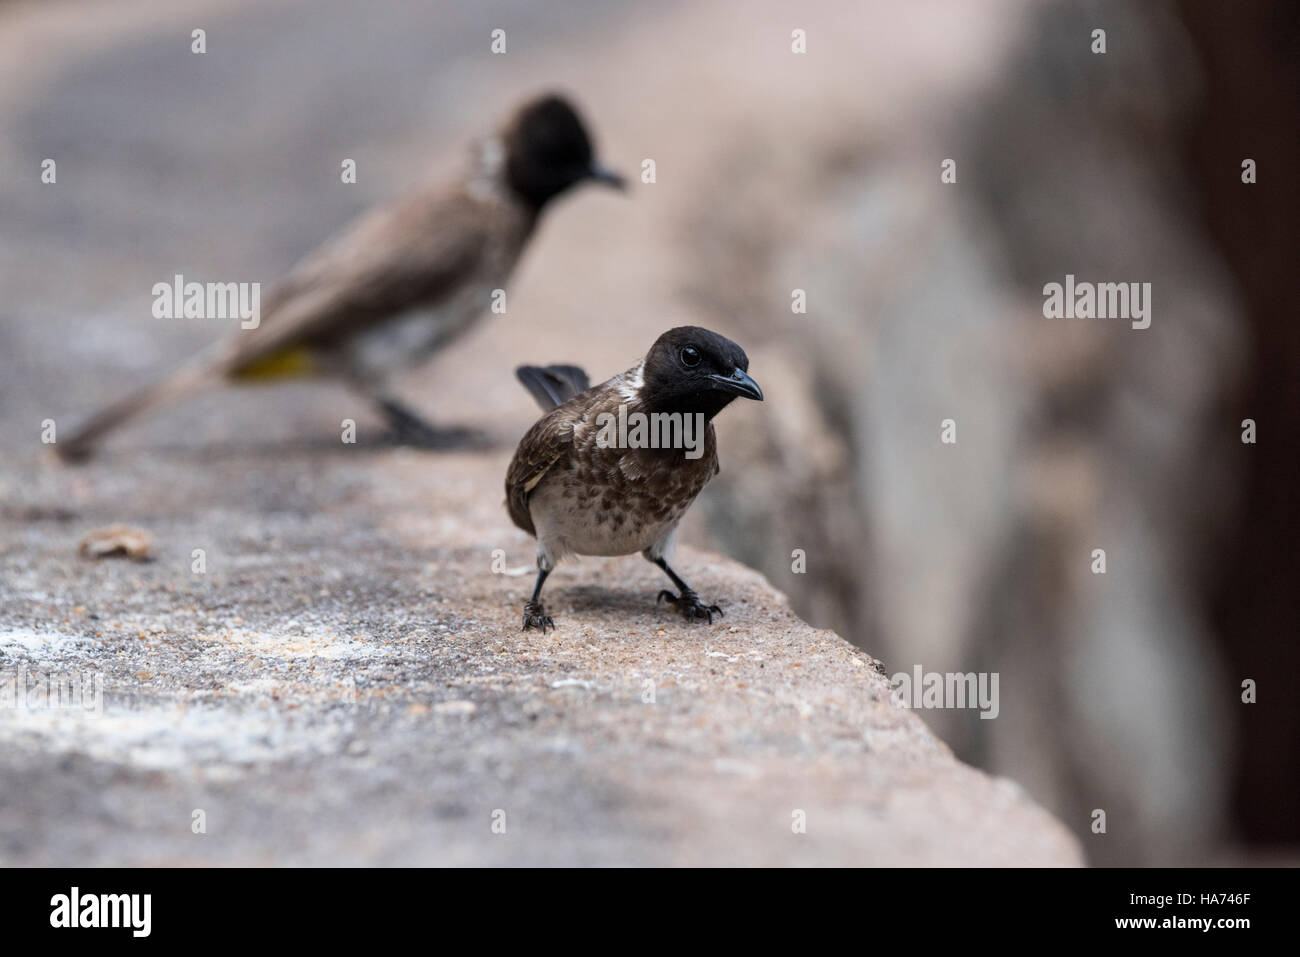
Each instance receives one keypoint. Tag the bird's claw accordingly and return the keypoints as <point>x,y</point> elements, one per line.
<point>535,617</point>
<point>688,604</point>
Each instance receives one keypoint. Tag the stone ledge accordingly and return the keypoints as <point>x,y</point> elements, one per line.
<point>347,683</point>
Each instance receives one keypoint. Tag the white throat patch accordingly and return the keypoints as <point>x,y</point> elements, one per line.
<point>630,387</point>
<point>487,169</point>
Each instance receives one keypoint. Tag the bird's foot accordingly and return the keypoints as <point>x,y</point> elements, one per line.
<point>535,616</point>
<point>424,436</point>
<point>411,430</point>
<point>688,604</point>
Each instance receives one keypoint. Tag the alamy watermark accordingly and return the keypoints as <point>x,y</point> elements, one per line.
<point>652,430</point>
<point>1102,300</point>
<point>932,689</point>
<point>130,911</point>
<point>179,299</point>
<point>35,691</point>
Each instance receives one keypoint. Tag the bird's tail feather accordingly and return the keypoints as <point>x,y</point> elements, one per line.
<point>201,371</point>
<point>552,386</point>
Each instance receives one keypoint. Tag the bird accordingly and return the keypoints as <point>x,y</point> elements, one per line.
<point>398,284</point>
<point>582,484</point>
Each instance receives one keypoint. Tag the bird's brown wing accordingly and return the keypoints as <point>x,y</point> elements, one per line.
<point>397,258</point>
<point>547,445</point>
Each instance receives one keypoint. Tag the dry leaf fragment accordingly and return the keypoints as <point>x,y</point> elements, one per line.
<point>117,539</point>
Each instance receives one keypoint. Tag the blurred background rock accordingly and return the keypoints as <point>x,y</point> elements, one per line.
<point>776,172</point>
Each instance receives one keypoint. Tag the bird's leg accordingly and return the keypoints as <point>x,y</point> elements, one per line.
<point>535,615</point>
<point>409,428</point>
<point>688,603</point>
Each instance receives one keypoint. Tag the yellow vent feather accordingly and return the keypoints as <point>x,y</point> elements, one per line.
<point>290,363</point>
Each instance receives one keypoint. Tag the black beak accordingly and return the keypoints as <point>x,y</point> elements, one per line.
<point>738,383</point>
<point>601,174</point>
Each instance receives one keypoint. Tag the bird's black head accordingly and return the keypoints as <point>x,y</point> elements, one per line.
<point>548,150</point>
<point>690,369</point>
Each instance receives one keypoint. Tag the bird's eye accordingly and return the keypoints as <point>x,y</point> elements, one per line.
<point>690,357</point>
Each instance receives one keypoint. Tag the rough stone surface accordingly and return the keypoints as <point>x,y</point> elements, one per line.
<point>348,683</point>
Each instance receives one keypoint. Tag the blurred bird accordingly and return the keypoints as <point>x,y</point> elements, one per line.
<point>580,493</point>
<point>400,283</point>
